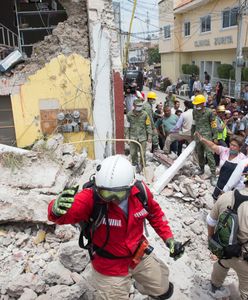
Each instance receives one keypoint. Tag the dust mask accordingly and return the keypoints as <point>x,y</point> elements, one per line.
<point>138,108</point>
<point>233,152</point>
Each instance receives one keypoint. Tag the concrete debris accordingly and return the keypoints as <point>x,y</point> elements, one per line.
<point>40,260</point>
<point>160,184</point>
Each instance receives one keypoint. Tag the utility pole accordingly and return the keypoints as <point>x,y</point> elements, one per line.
<point>129,35</point>
<point>239,51</point>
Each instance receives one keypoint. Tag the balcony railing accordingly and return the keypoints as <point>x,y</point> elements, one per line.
<point>8,37</point>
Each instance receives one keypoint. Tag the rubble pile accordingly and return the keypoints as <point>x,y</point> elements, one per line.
<point>70,36</point>
<point>40,260</point>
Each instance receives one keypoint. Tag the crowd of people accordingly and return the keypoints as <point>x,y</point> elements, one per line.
<point>217,117</point>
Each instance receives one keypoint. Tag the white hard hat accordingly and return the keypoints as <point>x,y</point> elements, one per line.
<point>114,172</point>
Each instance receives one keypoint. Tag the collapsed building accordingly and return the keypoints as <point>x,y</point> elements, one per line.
<point>60,72</point>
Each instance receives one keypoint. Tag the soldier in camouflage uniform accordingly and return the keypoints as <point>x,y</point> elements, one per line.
<point>140,130</point>
<point>151,99</point>
<point>204,122</point>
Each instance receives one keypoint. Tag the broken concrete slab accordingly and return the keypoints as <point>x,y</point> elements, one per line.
<point>171,172</point>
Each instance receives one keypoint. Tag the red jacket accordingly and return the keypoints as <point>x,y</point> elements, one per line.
<point>125,232</point>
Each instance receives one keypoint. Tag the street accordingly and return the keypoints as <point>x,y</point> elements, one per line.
<point>161,96</point>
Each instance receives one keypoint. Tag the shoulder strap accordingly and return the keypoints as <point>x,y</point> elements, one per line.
<point>238,200</point>
<point>142,195</point>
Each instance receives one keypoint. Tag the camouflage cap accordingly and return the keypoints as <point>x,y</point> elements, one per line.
<point>138,102</point>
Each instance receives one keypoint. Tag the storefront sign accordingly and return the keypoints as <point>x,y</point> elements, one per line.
<point>223,40</point>
<point>202,43</point>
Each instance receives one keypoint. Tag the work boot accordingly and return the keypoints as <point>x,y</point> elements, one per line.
<point>154,148</point>
<point>219,292</point>
<point>199,171</point>
<point>213,180</point>
<point>166,295</point>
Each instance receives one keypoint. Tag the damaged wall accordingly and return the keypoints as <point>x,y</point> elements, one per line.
<point>63,84</point>
<point>92,40</point>
<point>105,57</point>
<point>70,36</point>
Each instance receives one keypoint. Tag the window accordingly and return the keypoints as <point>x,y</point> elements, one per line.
<point>230,17</point>
<point>186,28</point>
<point>167,33</point>
<point>206,24</point>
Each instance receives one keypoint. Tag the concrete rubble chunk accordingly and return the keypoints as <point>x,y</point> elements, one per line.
<point>16,287</point>
<point>73,257</point>
<point>191,190</point>
<point>28,295</point>
<point>188,221</point>
<point>196,227</point>
<point>55,272</point>
<point>171,171</point>
<point>178,195</point>
<point>188,199</point>
<point>64,292</point>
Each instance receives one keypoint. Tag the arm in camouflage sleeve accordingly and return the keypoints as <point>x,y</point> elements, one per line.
<point>148,126</point>
<point>128,128</point>
<point>213,123</point>
<point>193,125</point>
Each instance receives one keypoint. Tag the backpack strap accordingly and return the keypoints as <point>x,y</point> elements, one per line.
<point>143,198</point>
<point>88,228</point>
<point>238,200</point>
<point>142,195</point>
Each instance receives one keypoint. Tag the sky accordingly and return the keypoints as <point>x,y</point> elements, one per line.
<point>145,9</point>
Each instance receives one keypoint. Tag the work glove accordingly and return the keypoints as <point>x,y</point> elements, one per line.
<point>64,201</point>
<point>176,248</point>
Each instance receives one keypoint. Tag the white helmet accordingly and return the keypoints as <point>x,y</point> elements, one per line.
<point>114,172</point>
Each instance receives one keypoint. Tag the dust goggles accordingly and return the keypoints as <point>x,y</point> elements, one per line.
<point>113,194</point>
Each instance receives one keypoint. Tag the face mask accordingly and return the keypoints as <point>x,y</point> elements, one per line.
<point>235,119</point>
<point>198,108</point>
<point>233,152</point>
<point>138,108</point>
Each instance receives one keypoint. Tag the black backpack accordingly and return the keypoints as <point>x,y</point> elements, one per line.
<point>100,211</point>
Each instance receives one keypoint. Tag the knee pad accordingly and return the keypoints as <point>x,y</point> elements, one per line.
<point>166,295</point>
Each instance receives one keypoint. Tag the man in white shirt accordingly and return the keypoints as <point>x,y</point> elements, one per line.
<point>197,85</point>
<point>182,130</point>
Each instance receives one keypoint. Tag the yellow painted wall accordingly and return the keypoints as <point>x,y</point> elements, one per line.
<point>226,57</point>
<point>171,64</point>
<point>66,79</point>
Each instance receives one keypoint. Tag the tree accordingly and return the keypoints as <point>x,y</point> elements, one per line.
<point>224,70</point>
<point>153,56</point>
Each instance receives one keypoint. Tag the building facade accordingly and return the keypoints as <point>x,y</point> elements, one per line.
<point>200,32</point>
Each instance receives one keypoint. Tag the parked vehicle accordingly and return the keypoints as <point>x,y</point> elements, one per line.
<point>134,76</point>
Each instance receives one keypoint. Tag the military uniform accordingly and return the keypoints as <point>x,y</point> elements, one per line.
<point>139,129</point>
<point>238,264</point>
<point>205,123</point>
<point>148,108</point>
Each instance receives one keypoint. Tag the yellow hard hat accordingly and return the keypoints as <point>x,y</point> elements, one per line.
<point>151,95</point>
<point>199,99</point>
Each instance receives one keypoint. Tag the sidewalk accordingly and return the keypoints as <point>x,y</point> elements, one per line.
<point>161,95</point>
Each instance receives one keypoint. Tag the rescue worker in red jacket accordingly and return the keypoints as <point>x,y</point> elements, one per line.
<point>120,233</point>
